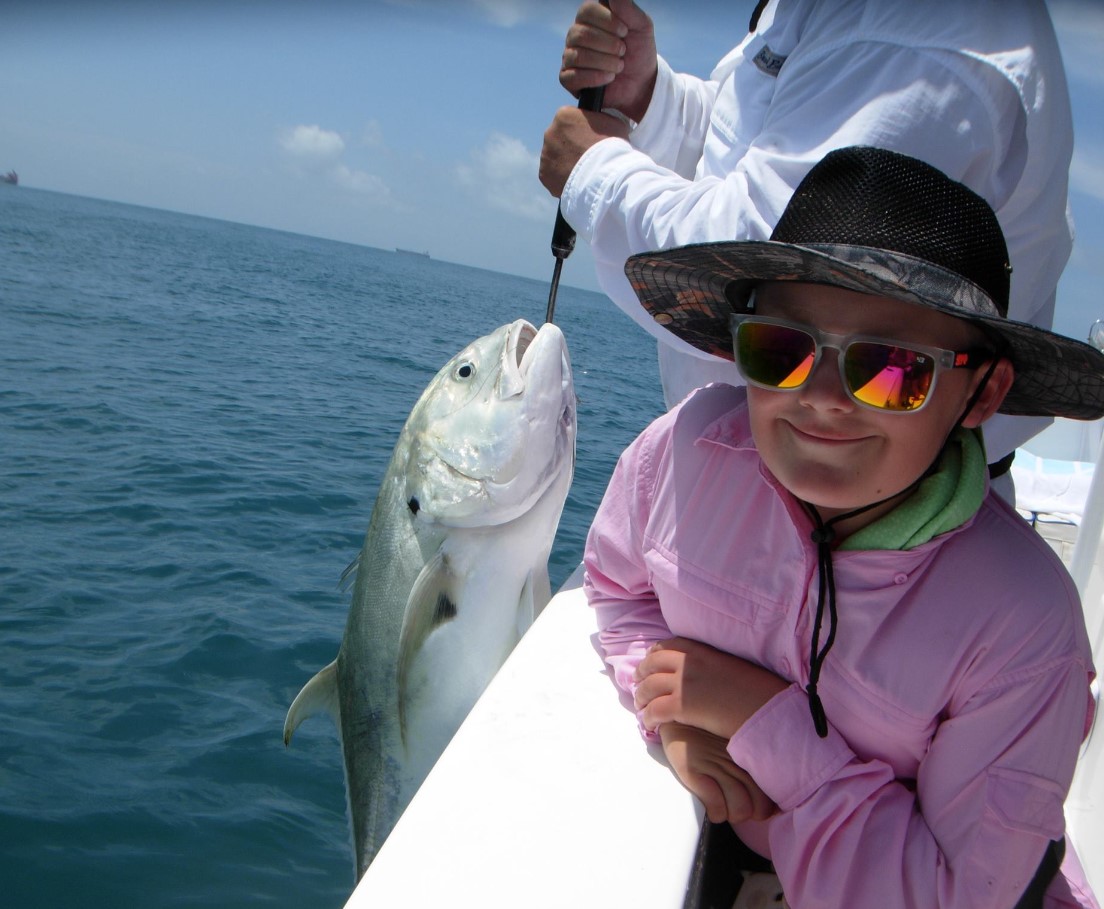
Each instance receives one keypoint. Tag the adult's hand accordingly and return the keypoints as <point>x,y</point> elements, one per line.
<point>612,47</point>
<point>572,132</point>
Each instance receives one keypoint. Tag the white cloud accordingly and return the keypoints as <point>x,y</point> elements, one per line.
<point>504,174</point>
<point>372,135</point>
<point>556,17</point>
<point>506,13</point>
<point>318,152</point>
<point>312,143</point>
<point>1087,175</point>
<point>1079,25</point>
<point>360,181</point>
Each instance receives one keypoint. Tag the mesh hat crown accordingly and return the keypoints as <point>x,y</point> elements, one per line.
<point>882,223</point>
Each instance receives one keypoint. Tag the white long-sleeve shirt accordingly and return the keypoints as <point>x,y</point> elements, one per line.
<point>976,89</point>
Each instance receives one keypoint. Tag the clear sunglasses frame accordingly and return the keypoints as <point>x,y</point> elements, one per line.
<point>941,358</point>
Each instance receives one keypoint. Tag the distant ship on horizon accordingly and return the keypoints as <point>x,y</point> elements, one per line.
<point>412,252</point>
<point>11,178</point>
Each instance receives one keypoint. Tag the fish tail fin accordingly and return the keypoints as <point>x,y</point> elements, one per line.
<point>318,695</point>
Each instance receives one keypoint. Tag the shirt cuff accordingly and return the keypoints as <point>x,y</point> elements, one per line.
<point>779,747</point>
<point>655,121</point>
<point>588,184</point>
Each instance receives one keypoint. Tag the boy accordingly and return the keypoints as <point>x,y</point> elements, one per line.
<point>877,672</point>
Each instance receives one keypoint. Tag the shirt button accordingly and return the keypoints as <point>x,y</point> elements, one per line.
<point>900,578</point>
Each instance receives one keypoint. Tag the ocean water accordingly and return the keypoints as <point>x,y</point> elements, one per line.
<point>194,417</point>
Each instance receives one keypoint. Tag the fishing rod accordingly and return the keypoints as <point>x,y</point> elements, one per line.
<point>563,234</point>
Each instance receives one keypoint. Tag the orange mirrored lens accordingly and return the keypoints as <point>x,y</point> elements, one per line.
<point>775,355</point>
<point>887,376</point>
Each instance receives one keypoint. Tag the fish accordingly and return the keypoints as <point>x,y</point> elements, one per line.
<point>454,566</point>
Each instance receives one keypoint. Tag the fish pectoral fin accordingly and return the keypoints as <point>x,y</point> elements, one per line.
<point>318,695</point>
<point>430,605</point>
<point>535,595</point>
<point>348,576</point>
<point>527,607</point>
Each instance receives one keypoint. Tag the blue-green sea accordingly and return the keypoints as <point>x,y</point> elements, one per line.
<point>194,418</point>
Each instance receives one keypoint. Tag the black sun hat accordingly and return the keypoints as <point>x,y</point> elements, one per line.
<point>877,222</point>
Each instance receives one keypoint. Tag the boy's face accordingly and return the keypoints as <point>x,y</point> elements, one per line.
<point>822,446</point>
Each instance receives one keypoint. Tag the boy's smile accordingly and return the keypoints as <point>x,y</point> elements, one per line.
<point>832,452</point>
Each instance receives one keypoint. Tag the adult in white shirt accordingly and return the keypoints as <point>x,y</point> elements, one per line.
<point>977,89</point>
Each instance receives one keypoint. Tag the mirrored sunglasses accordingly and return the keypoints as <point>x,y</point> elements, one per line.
<point>877,373</point>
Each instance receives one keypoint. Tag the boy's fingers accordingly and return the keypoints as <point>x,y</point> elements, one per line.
<point>657,661</point>
<point>651,688</point>
<point>711,796</point>
<point>748,801</point>
<point>738,802</point>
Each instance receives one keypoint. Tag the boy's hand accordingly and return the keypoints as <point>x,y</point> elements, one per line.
<point>703,766</point>
<point>683,681</point>
<point>612,47</point>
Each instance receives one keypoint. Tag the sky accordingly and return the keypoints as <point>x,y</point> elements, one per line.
<point>384,123</point>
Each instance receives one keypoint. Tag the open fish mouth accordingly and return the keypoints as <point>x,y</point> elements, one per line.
<point>525,347</point>
<point>518,355</point>
<point>524,335</point>
<point>526,352</point>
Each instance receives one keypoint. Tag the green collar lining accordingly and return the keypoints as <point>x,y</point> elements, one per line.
<point>944,500</point>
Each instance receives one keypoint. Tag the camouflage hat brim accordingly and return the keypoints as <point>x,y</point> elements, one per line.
<point>692,290</point>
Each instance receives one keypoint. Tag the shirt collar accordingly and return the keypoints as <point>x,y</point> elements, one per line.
<point>730,430</point>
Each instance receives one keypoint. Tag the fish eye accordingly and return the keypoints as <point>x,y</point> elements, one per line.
<point>465,370</point>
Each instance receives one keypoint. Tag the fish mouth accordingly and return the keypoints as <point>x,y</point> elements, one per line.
<point>530,345</point>
<point>523,335</point>
<point>527,342</point>
<point>526,352</point>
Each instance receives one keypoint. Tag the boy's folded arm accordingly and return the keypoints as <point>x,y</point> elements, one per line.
<point>629,623</point>
<point>617,582</point>
<point>970,832</point>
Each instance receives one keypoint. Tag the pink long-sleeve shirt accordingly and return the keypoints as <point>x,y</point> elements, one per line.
<point>957,691</point>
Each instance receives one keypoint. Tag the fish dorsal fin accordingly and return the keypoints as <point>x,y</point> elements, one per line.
<point>430,605</point>
<point>317,696</point>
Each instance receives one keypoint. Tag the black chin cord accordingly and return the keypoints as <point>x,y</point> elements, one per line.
<point>823,535</point>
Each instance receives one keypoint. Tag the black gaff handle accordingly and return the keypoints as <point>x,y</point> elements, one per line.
<point>563,234</point>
